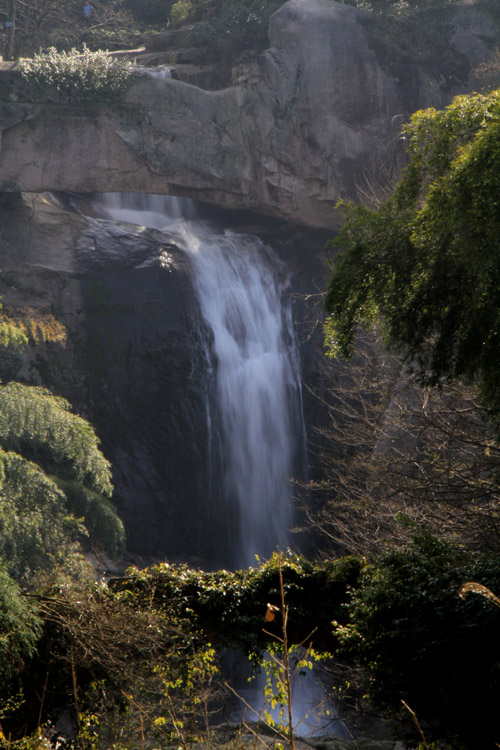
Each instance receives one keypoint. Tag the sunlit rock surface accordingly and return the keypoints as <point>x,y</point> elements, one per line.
<point>319,110</point>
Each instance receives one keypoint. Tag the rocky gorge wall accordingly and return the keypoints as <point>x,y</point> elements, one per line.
<point>299,128</point>
<point>297,131</point>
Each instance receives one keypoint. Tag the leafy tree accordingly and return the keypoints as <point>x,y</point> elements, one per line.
<point>38,423</point>
<point>103,528</point>
<point>75,76</point>
<point>41,438</point>
<point>20,627</point>
<point>421,643</point>
<point>425,263</point>
<point>36,531</point>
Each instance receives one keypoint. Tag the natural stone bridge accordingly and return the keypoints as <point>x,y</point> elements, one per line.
<point>289,141</point>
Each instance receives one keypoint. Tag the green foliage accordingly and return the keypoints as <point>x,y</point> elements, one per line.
<point>20,627</point>
<point>149,11</point>
<point>425,263</point>
<point>229,27</point>
<point>127,670</point>
<point>283,662</point>
<point>278,671</point>
<point>75,75</point>
<point>104,528</point>
<point>12,335</point>
<point>17,330</point>
<point>55,484</point>
<point>187,11</point>
<point>230,606</point>
<point>421,643</point>
<point>398,8</point>
<point>36,531</point>
<point>41,426</point>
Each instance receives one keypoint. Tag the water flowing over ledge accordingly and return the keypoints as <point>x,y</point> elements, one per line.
<point>253,408</point>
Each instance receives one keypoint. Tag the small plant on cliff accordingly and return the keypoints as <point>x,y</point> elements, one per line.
<point>75,75</point>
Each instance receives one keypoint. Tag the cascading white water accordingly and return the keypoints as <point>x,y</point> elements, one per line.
<point>240,287</point>
<point>156,72</point>
<point>256,424</point>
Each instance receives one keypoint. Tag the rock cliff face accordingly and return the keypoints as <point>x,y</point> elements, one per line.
<point>134,362</point>
<point>324,102</point>
<point>131,362</point>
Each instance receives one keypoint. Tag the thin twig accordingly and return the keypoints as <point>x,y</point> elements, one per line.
<point>417,723</point>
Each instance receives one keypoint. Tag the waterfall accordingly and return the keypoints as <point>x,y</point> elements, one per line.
<point>253,409</point>
<point>256,427</point>
<point>156,72</point>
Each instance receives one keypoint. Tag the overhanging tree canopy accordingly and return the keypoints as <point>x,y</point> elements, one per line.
<point>425,264</point>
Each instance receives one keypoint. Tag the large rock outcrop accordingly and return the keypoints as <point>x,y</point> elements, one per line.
<point>288,141</point>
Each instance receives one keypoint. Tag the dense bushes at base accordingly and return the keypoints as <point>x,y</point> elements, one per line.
<point>116,669</point>
<point>421,643</point>
<point>230,607</point>
<point>142,645</point>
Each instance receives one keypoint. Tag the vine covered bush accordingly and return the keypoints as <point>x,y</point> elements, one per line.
<point>230,607</point>
<point>76,75</point>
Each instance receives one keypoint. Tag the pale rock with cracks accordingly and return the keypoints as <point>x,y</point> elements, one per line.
<point>289,140</point>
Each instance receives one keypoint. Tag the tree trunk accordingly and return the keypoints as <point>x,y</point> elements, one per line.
<point>10,30</point>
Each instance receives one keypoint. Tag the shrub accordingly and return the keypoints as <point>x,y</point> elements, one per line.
<point>240,25</point>
<point>187,11</point>
<point>105,529</point>
<point>55,484</point>
<point>42,427</point>
<point>36,532</point>
<point>20,627</point>
<point>149,11</point>
<point>420,642</point>
<point>230,606</point>
<point>76,75</point>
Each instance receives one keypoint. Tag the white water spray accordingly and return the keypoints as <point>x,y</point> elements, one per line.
<point>240,286</point>
<point>257,424</point>
<point>156,72</point>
